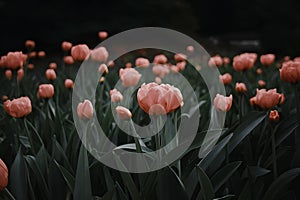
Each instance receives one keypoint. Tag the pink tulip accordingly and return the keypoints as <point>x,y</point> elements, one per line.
<point>160,70</point>
<point>129,77</point>
<point>69,84</point>
<point>180,57</point>
<point>46,91</point>
<point>266,99</point>
<point>29,44</point>
<point>80,52</point>
<point>142,62</point>
<point>240,87</point>
<point>244,61</point>
<point>69,60</point>
<point>3,175</point>
<point>115,96</point>
<point>274,116</point>
<point>222,103</point>
<point>102,35</point>
<point>215,61</point>
<point>160,59</point>
<point>100,54</point>
<point>225,79</point>
<point>168,97</point>
<point>267,59</point>
<point>53,66</point>
<point>181,65</point>
<point>8,74</point>
<point>85,110</point>
<point>103,69</point>
<point>19,107</point>
<point>20,74</point>
<point>41,54</point>
<point>50,74</point>
<point>123,113</point>
<point>66,46</point>
<point>290,72</point>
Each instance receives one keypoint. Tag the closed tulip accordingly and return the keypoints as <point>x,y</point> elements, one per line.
<point>46,91</point>
<point>85,110</point>
<point>129,77</point>
<point>222,103</point>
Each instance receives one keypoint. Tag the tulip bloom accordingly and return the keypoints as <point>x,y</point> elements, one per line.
<point>3,175</point>
<point>80,52</point>
<point>274,116</point>
<point>290,72</point>
<point>69,84</point>
<point>46,91</point>
<point>19,107</point>
<point>129,77</point>
<point>222,103</point>
<point>20,74</point>
<point>66,46</point>
<point>240,87</point>
<point>266,99</point>
<point>181,65</point>
<point>225,79</point>
<point>215,61</point>
<point>50,74</point>
<point>160,70</point>
<point>41,54</point>
<point>142,62</point>
<point>100,54</point>
<point>102,35</point>
<point>160,59</point>
<point>115,96</point>
<point>244,61</point>
<point>14,60</point>
<point>226,60</point>
<point>123,113</point>
<point>29,44</point>
<point>180,57</point>
<point>69,60</point>
<point>267,59</point>
<point>103,69</point>
<point>8,74</point>
<point>85,110</point>
<point>168,97</point>
<point>53,65</point>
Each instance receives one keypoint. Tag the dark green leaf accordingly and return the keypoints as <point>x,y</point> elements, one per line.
<point>206,185</point>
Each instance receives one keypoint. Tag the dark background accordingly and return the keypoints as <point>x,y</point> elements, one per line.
<point>225,27</point>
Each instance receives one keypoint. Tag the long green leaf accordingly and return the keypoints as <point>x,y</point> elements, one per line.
<point>206,185</point>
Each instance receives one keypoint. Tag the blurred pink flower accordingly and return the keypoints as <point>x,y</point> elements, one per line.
<point>290,72</point>
<point>274,116</point>
<point>181,65</point>
<point>115,96</point>
<point>215,61</point>
<point>129,77</point>
<point>123,113</point>
<point>19,107</point>
<point>142,62</point>
<point>180,57</point>
<point>102,35</point>
<point>190,49</point>
<point>244,61</point>
<point>160,70</point>
<point>85,109</point>
<point>66,46</point>
<point>69,60</point>
<point>69,84</point>
<point>50,74</point>
<point>41,54</point>
<point>53,66</point>
<point>267,59</point>
<point>103,69</point>
<point>240,87</point>
<point>46,91</point>
<point>100,54</point>
<point>225,79</point>
<point>20,74</point>
<point>222,103</point>
<point>29,44</point>
<point>261,83</point>
<point>80,52</point>
<point>8,74</point>
<point>160,59</point>
<point>3,175</point>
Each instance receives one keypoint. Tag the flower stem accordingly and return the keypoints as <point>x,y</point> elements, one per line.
<point>274,158</point>
<point>9,195</point>
<point>136,139</point>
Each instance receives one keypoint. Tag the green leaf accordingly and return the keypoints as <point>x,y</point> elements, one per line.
<point>18,178</point>
<point>206,162</point>
<point>280,183</point>
<point>224,174</point>
<point>169,185</point>
<point>251,122</point>
<point>286,128</point>
<point>69,178</point>
<point>83,189</point>
<point>227,197</point>
<point>206,185</point>
<point>31,161</point>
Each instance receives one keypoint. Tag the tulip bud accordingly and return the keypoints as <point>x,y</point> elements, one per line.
<point>3,175</point>
<point>274,116</point>
<point>123,113</point>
